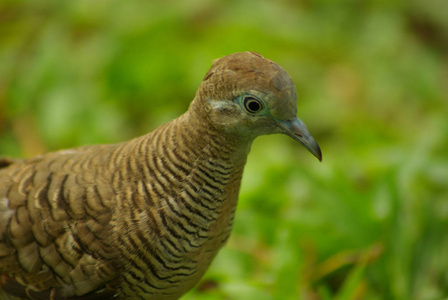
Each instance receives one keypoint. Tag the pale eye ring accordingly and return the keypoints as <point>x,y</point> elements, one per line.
<point>253,105</point>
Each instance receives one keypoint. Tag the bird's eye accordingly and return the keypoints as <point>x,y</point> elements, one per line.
<point>253,105</point>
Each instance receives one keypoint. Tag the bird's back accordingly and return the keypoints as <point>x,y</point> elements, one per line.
<point>55,213</point>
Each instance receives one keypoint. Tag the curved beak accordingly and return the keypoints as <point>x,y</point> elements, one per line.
<point>297,130</point>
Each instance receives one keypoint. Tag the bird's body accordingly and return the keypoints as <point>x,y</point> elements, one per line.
<point>141,219</point>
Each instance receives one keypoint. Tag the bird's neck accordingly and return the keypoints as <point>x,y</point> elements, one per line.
<point>197,130</point>
<point>186,167</point>
<point>188,175</point>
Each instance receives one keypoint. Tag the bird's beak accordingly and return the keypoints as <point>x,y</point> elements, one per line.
<point>297,130</point>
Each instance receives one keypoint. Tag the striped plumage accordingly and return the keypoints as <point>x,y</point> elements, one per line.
<point>142,219</point>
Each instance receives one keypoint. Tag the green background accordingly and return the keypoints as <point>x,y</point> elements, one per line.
<point>369,222</point>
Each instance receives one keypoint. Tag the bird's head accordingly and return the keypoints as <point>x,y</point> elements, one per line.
<point>248,95</point>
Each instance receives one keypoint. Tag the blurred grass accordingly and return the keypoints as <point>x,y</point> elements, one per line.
<point>369,222</point>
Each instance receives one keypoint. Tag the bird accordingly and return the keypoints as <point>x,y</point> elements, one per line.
<point>142,219</point>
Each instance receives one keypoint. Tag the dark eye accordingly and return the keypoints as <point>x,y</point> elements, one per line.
<point>253,105</point>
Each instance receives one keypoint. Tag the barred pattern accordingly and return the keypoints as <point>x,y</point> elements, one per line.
<point>148,213</point>
<point>141,219</point>
<point>185,194</point>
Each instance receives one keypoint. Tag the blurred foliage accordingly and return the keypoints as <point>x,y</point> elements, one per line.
<point>369,222</point>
